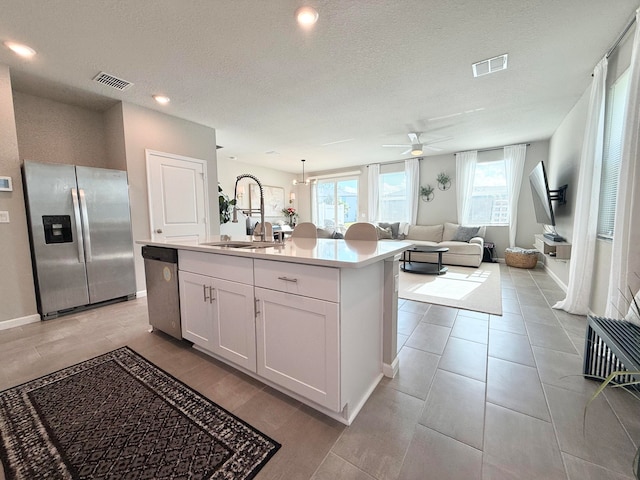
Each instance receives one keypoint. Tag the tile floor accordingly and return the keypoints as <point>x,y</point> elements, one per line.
<point>478,396</point>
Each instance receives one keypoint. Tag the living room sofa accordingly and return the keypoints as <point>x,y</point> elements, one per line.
<point>465,244</point>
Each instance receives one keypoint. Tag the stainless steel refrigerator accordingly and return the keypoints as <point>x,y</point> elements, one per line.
<point>80,232</point>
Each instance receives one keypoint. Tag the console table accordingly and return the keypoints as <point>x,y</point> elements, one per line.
<point>422,267</point>
<point>551,248</point>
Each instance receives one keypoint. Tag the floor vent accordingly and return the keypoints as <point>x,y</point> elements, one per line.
<point>112,81</point>
<point>490,65</point>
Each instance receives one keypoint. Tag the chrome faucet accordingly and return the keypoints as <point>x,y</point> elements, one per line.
<point>250,210</point>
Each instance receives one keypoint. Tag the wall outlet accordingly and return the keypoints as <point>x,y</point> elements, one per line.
<point>4,217</point>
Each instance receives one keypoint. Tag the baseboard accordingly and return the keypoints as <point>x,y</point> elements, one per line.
<point>17,322</point>
<point>390,371</point>
<point>141,293</point>
<point>555,278</point>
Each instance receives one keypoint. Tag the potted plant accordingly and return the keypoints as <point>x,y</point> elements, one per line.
<point>444,181</point>
<point>426,193</point>
<point>225,206</point>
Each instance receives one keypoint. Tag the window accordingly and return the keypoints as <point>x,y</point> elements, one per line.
<point>336,203</point>
<point>612,154</point>
<point>392,189</point>
<point>490,197</point>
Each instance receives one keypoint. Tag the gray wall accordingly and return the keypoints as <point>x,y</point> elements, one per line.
<point>45,130</point>
<point>148,129</point>
<point>17,297</point>
<point>54,132</point>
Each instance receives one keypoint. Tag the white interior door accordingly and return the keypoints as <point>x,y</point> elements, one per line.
<point>177,197</point>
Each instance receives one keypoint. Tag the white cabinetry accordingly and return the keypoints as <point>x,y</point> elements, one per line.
<point>313,332</point>
<point>217,309</point>
<point>298,337</point>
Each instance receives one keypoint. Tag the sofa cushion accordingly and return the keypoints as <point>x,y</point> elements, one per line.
<point>395,228</point>
<point>462,248</point>
<point>327,233</point>
<point>450,229</point>
<point>431,233</point>
<point>383,233</point>
<point>464,234</point>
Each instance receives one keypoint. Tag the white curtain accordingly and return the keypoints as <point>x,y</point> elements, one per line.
<point>465,173</point>
<point>585,224</point>
<point>374,190</point>
<point>625,251</point>
<point>412,177</point>
<point>514,156</point>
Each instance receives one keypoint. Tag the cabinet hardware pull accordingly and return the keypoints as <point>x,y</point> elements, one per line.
<point>257,302</point>
<point>211,297</point>
<point>287,279</point>
<point>204,291</point>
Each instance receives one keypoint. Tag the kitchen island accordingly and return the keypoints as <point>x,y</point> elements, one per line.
<point>313,318</point>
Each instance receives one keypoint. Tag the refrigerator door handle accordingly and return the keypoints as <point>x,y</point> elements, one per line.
<point>85,226</point>
<point>76,212</point>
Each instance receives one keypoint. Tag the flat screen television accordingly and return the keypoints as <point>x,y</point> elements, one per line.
<point>542,197</point>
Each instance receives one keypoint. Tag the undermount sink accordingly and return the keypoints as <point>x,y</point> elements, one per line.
<point>244,244</point>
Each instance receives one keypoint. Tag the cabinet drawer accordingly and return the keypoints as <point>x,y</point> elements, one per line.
<point>226,267</point>
<point>306,280</point>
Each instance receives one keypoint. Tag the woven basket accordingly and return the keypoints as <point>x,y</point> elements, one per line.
<point>520,259</point>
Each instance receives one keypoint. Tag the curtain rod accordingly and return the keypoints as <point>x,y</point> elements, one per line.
<point>621,36</point>
<point>490,149</point>
<point>395,161</point>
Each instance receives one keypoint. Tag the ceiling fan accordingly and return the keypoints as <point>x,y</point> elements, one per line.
<point>416,147</point>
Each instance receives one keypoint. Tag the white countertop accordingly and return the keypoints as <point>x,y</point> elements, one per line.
<point>322,251</point>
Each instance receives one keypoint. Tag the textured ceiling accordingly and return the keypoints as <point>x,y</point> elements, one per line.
<point>367,74</point>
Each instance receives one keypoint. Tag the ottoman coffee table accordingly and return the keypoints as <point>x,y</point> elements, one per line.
<point>422,267</point>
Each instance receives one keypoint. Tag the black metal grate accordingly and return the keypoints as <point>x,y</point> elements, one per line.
<point>610,346</point>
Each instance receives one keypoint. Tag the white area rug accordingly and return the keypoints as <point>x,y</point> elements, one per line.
<point>468,288</point>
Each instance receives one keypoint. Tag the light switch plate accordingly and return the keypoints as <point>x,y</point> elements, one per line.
<point>4,217</point>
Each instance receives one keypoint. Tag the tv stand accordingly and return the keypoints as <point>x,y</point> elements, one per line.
<point>554,237</point>
<point>552,248</point>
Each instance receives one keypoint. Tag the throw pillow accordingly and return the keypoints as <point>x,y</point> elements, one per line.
<point>337,235</point>
<point>395,227</point>
<point>383,233</point>
<point>464,234</point>
<point>324,233</point>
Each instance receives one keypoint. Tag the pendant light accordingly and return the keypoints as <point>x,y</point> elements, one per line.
<point>304,182</point>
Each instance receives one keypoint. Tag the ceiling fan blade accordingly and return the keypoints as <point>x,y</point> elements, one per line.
<point>400,146</point>
<point>435,149</point>
<point>414,138</point>
<point>437,140</point>
<point>406,151</point>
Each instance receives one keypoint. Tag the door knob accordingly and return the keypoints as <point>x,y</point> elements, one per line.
<point>159,230</point>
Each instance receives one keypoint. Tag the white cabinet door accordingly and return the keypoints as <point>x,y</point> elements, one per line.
<point>196,309</point>
<point>298,345</point>
<point>234,330</point>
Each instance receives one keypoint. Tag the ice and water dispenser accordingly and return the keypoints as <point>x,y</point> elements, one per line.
<point>57,228</point>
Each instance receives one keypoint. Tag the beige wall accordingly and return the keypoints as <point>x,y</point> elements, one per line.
<point>148,129</point>
<point>17,297</point>
<point>54,132</point>
<point>228,170</point>
<point>49,131</point>
<point>563,168</point>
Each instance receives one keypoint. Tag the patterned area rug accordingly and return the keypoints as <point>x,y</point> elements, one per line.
<point>468,288</point>
<point>120,416</point>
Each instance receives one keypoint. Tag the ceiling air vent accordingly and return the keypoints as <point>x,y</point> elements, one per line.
<point>490,65</point>
<point>111,81</point>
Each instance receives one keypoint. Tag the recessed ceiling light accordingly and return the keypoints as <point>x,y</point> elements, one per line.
<point>306,16</point>
<point>161,99</point>
<point>20,49</point>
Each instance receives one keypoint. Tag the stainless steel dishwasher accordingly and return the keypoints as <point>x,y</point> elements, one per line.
<point>163,300</point>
